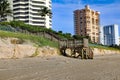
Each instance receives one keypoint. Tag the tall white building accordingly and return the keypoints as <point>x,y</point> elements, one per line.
<point>101,35</point>
<point>27,11</point>
<point>111,35</point>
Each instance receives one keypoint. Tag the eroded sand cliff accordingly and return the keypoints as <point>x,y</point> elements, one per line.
<point>13,48</point>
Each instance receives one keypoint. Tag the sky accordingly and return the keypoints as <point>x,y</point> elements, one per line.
<point>63,13</point>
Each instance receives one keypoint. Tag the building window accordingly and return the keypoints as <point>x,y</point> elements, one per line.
<point>93,33</point>
<point>93,39</point>
<point>88,30</point>
<point>97,33</point>
<point>80,17</point>
<point>110,30</point>
<point>92,20</point>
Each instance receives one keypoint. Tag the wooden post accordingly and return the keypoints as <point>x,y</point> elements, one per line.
<point>85,42</point>
<point>67,44</point>
<point>74,43</point>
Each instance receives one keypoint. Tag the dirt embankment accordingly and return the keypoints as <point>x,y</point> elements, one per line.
<point>105,52</point>
<point>15,48</point>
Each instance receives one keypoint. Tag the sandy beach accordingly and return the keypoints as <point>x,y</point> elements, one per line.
<point>105,67</point>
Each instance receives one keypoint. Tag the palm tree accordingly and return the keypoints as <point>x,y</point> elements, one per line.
<point>45,11</point>
<point>4,9</point>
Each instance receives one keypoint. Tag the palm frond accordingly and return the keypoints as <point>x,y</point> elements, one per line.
<point>4,8</point>
<point>44,11</point>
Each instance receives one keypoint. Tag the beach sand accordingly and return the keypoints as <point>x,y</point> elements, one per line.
<point>105,67</point>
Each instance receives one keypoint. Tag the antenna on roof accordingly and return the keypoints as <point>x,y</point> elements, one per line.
<point>87,6</point>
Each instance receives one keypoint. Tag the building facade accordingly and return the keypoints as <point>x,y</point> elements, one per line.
<point>111,35</point>
<point>101,35</point>
<point>86,23</point>
<point>27,11</point>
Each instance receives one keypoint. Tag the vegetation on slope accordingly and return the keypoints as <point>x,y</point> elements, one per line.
<point>34,29</point>
<point>37,29</point>
<point>104,47</point>
<point>40,41</point>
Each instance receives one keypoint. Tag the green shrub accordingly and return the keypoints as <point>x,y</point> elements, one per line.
<point>4,23</point>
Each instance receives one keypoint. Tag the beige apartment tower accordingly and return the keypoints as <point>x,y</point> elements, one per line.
<point>86,23</point>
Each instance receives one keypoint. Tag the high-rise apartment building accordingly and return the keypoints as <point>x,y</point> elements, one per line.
<point>111,35</point>
<point>86,23</point>
<point>27,11</point>
<point>101,35</point>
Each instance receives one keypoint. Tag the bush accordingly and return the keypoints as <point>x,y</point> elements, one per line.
<point>4,23</point>
<point>19,25</point>
<point>78,37</point>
